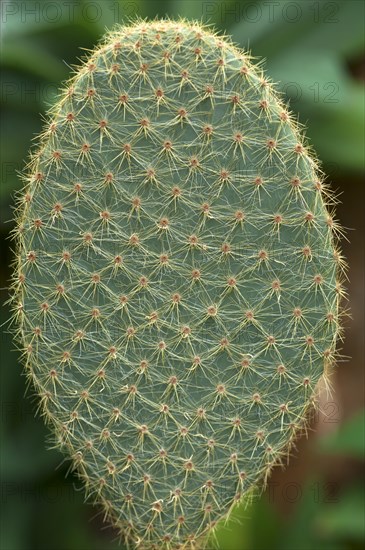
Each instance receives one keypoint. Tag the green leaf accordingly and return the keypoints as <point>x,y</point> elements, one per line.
<point>28,57</point>
<point>348,440</point>
<point>347,518</point>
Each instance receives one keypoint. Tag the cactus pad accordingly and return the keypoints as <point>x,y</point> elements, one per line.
<point>176,288</point>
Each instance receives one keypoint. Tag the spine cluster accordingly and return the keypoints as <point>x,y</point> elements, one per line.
<point>177,282</point>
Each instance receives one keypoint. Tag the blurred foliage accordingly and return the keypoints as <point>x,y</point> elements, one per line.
<point>348,440</point>
<point>314,50</point>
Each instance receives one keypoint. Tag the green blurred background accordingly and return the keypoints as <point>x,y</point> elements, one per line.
<point>315,50</point>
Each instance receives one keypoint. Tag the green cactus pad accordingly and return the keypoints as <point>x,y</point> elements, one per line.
<point>176,288</point>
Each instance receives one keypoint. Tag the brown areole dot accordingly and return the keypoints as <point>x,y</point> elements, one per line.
<point>38,223</point>
<point>226,248</point>
<point>31,256</point>
<point>212,311</point>
<point>306,251</point>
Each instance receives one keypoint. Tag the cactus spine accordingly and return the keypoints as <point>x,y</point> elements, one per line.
<point>177,279</point>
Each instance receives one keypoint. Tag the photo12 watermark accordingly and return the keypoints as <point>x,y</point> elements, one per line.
<point>271,12</point>
<point>28,12</point>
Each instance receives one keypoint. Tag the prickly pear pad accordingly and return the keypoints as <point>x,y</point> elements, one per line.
<point>177,278</point>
